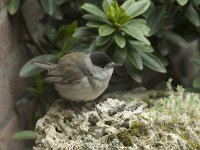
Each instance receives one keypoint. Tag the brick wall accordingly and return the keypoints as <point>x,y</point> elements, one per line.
<point>12,87</point>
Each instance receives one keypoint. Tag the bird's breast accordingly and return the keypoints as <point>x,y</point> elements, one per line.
<point>82,91</point>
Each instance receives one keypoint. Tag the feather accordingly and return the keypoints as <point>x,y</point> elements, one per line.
<point>53,79</point>
<point>66,71</point>
<point>45,65</point>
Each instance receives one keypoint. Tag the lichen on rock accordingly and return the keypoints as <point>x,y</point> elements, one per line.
<point>121,124</point>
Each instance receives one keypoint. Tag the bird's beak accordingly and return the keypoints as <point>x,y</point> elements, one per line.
<point>112,65</point>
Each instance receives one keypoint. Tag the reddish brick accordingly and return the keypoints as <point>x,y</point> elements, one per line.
<point>12,87</point>
<point>6,142</point>
<point>33,15</point>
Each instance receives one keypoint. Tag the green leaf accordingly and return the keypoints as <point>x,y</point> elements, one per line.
<point>174,38</point>
<point>60,2</point>
<point>138,8</point>
<point>93,24</point>
<point>105,5</point>
<point>13,6</point>
<point>193,16</point>
<point>196,2</point>
<point>192,90</point>
<point>49,6</point>
<point>120,55</point>
<point>50,33</point>
<point>163,47</point>
<point>122,19</point>
<point>58,14</point>
<point>135,33</point>
<point>66,31</point>
<point>92,47</point>
<point>127,4</point>
<point>101,40</point>
<point>71,28</point>
<point>39,84</point>
<point>94,18</point>
<point>94,10</point>
<point>122,52</point>
<point>196,82</point>
<point>105,30</point>
<point>162,59</point>
<point>156,18</point>
<point>66,44</point>
<point>80,47</point>
<point>82,32</point>
<point>120,40</point>
<point>141,25</point>
<point>141,47</point>
<point>24,135</point>
<point>153,62</point>
<point>135,58</point>
<point>182,2</point>
<point>133,72</point>
<point>106,47</point>
<point>29,69</point>
<point>196,61</point>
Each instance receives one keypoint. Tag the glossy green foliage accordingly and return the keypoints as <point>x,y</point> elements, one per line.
<point>29,69</point>
<point>24,135</point>
<point>123,29</point>
<point>13,6</point>
<point>57,43</point>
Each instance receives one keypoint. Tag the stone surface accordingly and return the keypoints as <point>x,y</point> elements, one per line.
<point>12,56</point>
<point>125,124</point>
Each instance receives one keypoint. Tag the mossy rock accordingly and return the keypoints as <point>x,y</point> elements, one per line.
<point>138,129</point>
<point>125,138</point>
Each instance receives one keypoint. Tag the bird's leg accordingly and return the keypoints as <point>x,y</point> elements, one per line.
<point>98,111</point>
<point>94,103</point>
<point>90,105</point>
<point>78,107</point>
<point>75,106</point>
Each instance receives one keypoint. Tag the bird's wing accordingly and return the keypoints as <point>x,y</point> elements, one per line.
<point>45,65</point>
<point>68,70</point>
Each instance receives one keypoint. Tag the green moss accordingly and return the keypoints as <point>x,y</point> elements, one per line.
<point>183,134</point>
<point>192,143</point>
<point>157,145</point>
<point>168,127</point>
<point>148,101</point>
<point>138,129</point>
<point>150,98</point>
<point>125,138</point>
<point>158,94</point>
<point>110,138</point>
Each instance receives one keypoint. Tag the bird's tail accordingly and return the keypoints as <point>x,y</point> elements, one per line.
<point>45,65</point>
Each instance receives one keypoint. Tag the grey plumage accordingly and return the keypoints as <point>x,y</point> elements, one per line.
<point>67,70</point>
<point>78,76</point>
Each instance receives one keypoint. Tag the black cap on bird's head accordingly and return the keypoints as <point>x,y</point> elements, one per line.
<point>102,60</point>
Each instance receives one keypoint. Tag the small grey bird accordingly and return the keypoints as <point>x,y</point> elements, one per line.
<point>78,76</point>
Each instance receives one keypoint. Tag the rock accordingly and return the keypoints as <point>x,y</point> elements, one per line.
<point>115,124</point>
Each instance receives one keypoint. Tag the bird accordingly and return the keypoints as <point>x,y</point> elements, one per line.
<point>78,76</point>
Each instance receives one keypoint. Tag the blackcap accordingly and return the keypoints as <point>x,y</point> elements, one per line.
<point>78,76</point>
